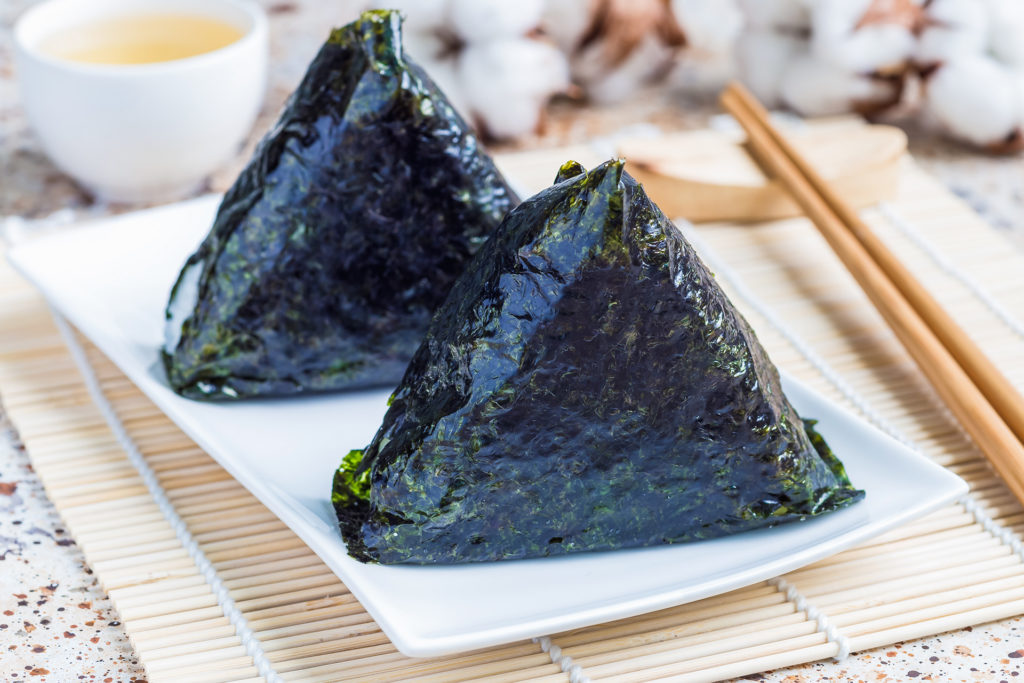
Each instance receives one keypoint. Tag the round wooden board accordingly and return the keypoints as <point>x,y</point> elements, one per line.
<point>711,176</point>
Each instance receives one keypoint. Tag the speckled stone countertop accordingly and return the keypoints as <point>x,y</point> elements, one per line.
<point>56,624</point>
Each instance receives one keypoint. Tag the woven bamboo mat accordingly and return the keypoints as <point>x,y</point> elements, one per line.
<point>957,567</point>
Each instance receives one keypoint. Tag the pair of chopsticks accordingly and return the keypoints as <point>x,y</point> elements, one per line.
<point>988,407</point>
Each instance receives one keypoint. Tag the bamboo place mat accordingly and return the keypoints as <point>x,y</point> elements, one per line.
<point>957,567</point>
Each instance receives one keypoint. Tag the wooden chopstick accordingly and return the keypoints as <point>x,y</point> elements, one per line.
<point>966,401</point>
<point>1003,396</point>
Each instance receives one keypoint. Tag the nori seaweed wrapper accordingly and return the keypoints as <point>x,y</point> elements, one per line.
<point>341,237</point>
<point>585,386</point>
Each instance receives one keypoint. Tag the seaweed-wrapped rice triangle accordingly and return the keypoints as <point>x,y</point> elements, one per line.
<point>585,386</point>
<point>342,235</point>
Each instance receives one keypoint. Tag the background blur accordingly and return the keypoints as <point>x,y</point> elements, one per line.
<point>580,69</point>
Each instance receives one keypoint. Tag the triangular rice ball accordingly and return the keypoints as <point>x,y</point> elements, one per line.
<point>342,236</point>
<point>585,386</point>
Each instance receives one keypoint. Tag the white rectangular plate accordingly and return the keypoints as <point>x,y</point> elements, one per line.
<point>111,279</point>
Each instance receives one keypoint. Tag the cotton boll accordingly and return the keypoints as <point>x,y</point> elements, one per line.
<point>444,73</point>
<point>628,43</point>
<point>1006,31</point>
<point>707,61</point>
<point>784,14</point>
<point>701,73</point>
<point>973,97</point>
<point>938,44</point>
<point>839,34</point>
<point>1017,89</point>
<point>605,84</point>
<point>832,19</point>
<point>966,15</point>
<point>507,83</point>
<point>762,57</point>
<point>816,88</point>
<point>478,21</point>
<point>953,28</point>
<point>1015,143</point>
<point>710,26</point>
<point>880,47</point>
<point>1017,80</point>
<point>420,15</point>
<point>566,22</point>
<point>425,46</point>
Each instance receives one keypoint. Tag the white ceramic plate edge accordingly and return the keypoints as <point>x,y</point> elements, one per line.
<point>315,533</point>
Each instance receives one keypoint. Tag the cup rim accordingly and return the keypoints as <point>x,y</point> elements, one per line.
<point>256,31</point>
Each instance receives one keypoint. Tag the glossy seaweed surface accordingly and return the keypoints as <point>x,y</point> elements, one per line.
<point>585,386</point>
<point>342,235</point>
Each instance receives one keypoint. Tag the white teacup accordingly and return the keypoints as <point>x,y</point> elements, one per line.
<point>141,132</point>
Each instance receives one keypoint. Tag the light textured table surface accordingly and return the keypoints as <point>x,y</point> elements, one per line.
<point>56,624</point>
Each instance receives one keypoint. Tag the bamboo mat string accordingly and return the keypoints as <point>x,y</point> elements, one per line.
<point>889,212</point>
<point>227,604</point>
<point>1006,536</point>
<point>564,662</point>
<point>824,626</point>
